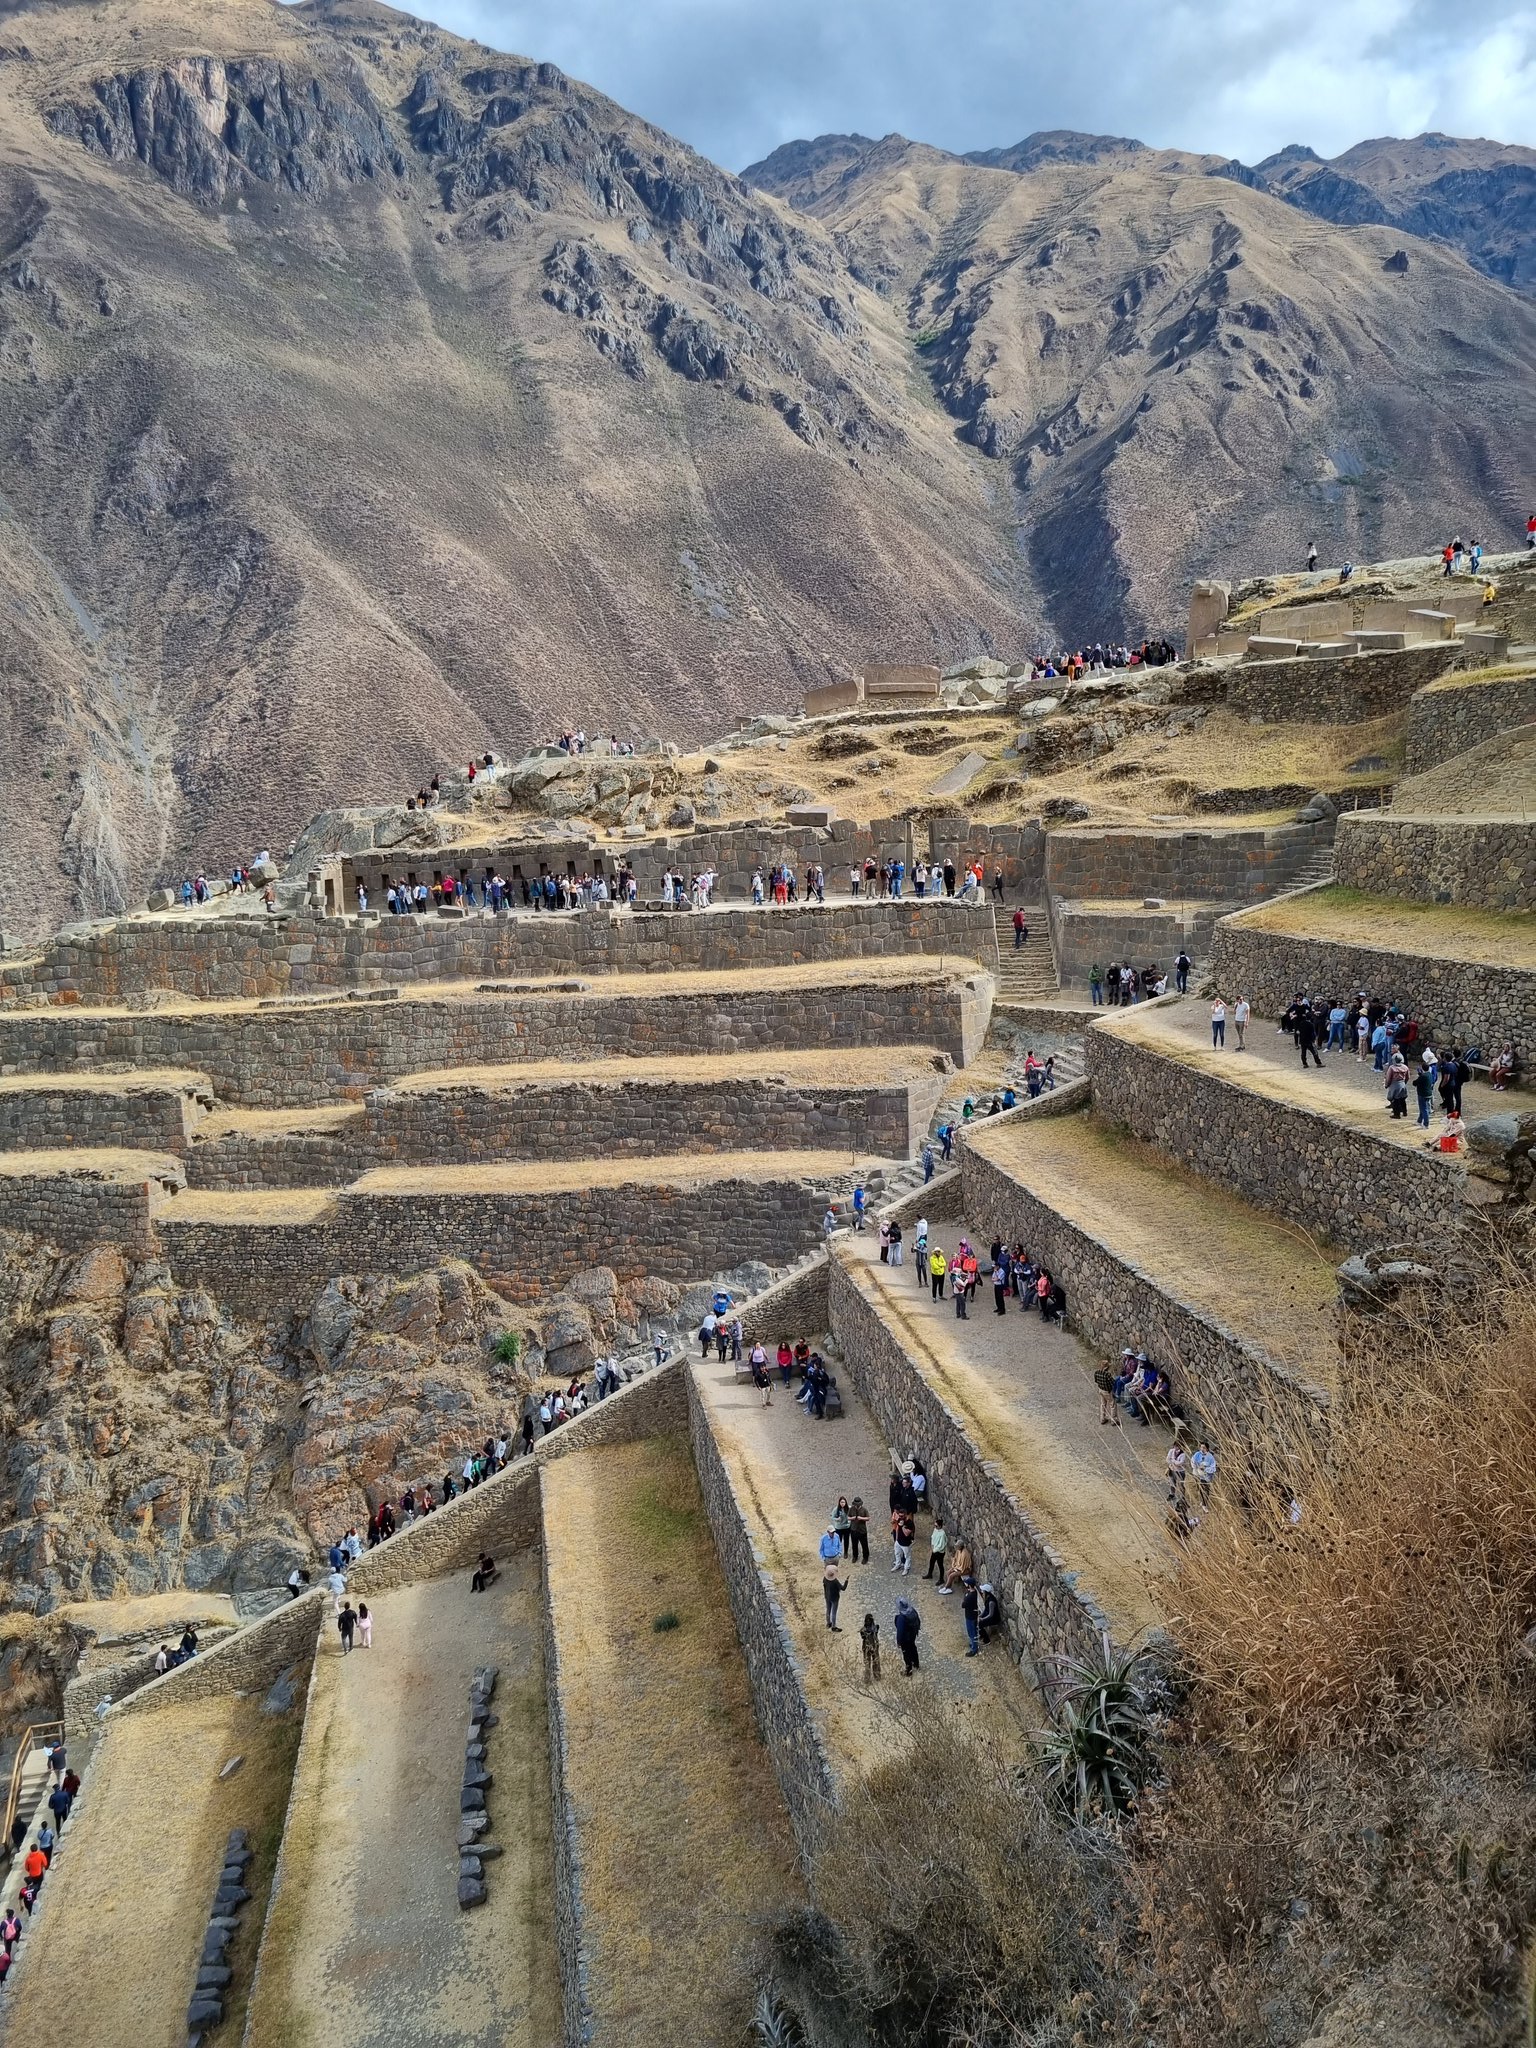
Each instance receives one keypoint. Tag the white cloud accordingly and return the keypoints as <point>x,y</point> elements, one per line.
<point>1243,77</point>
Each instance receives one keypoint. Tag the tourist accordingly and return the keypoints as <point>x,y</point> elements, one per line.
<point>1218,1022</point>
<point>1240,1016</point>
<point>832,1590</point>
<point>830,1548</point>
<point>1020,930</point>
<point>298,1582</point>
<point>885,1242</point>
<point>858,1531</point>
<point>928,1161</point>
<point>364,1626</point>
<point>869,1643</point>
<point>1306,1036</point>
<point>1181,967</point>
<point>896,1243</point>
<point>1104,1380</point>
<point>968,1607</point>
<point>903,1529</point>
<point>989,1613</point>
<point>484,1575</point>
<point>938,1544</point>
<point>842,1521</point>
<point>859,1200</point>
<point>337,1587</point>
<point>758,1366</point>
<point>1202,1463</point>
<point>1096,984</point>
<point>961,1566</point>
<point>908,1627</point>
<point>346,1622</point>
<point>1424,1091</point>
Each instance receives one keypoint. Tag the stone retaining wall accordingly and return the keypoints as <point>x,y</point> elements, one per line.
<point>1241,865</point>
<point>793,1307</point>
<point>1301,1164</point>
<point>76,1210</point>
<point>1459,1000</point>
<point>1112,1302</point>
<point>291,1055</point>
<point>1045,1613</point>
<point>1341,691</point>
<point>1449,718</point>
<point>569,1904</point>
<point>247,1661</point>
<point>524,1244</point>
<point>147,1119</point>
<point>790,1729</point>
<point>1084,936</point>
<point>616,1119</point>
<point>1484,864</point>
<point>502,1514</point>
<point>238,958</point>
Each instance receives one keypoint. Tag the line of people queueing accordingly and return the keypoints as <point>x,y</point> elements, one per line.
<point>39,1859</point>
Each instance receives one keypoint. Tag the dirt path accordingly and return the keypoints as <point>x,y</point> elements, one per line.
<point>686,1850</point>
<point>112,1958</point>
<point>1026,1391</point>
<point>790,1469</point>
<point>1203,1246</point>
<point>1344,1087</point>
<point>367,1946</point>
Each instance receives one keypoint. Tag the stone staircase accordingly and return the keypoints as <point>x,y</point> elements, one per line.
<point>1319,868</point>
<point>1070,1058</point>
<point>1027,973</point>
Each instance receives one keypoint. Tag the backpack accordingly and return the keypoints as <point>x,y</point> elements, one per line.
<point>1104,1380</point>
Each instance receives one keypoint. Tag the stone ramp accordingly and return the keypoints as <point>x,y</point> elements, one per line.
<point>112,1955</point>
<point>787,1470</point>
<point>682,1849</point>
<point>1151,1254</point>
<point>1318,1148</point>
<point>365,1945</point>
<point>1024,1394</point>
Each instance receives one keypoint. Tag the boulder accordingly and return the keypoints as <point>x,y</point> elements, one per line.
<point>682,813</point>
<point>283,1693</point>
<point>161,899</point>
<point>471,1892</point>
<point>1039,707</point>
<point>1492,1137</point>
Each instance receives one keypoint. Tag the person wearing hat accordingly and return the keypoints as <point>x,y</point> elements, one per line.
<point>989,1614</point>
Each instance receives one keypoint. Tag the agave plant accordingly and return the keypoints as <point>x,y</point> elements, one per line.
<point>771,2024</point>
<point>1098,1752</point>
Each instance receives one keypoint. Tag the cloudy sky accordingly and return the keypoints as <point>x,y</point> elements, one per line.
<point>737,77</point>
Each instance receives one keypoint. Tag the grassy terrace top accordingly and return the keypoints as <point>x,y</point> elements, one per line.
<point>103,1081</point>
<point>1272,1286</point>
<point>903,968</point>
<point>95,1162</point>
<point>877,1065</point>
<point>1438,931</point>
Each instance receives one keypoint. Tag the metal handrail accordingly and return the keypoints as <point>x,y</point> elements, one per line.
<point>32,1738</point>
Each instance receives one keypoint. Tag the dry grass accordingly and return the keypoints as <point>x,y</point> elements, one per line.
<point>116,1947</point>
<point>875,1067</point>
<point>571,1176</point>
<point>98,1162</point>
<point>1487,938</point>
<point>684,1841</point>
<point>1410,1577</point>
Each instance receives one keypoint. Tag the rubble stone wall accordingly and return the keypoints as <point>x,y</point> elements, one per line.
<point>1460,1000</point>
<point>142,1119</point>
<point>239,958</point>
<point>1046,1613</point>
<point>75,1211</point>
<point>637,1119</point>
<point>1486,864</point>
<point>1303,1165</point>
<point>524,1244</point>
<point>1343,690</point>
<point>1449,718</point>
<point>1219,1378</point>
<point>292,1054</point>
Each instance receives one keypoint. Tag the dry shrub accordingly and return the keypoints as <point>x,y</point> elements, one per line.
<point>1411,1576</point>
<point>953,1911</point>
<point>1343,1848</point>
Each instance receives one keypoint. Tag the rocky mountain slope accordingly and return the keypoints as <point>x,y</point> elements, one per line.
<point>153,1441</point>
<point>368,398</point>
<point>1177,371</point>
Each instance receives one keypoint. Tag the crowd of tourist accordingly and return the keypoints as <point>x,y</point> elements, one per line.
<point>1398,1045</point>
<point>1099,659</point>
<point>1123,983</point>
<point>38,1859</point>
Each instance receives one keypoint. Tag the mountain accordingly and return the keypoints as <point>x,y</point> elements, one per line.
<point>1178,371</point>
<point>1478,196</point>
<point>368,399</point>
